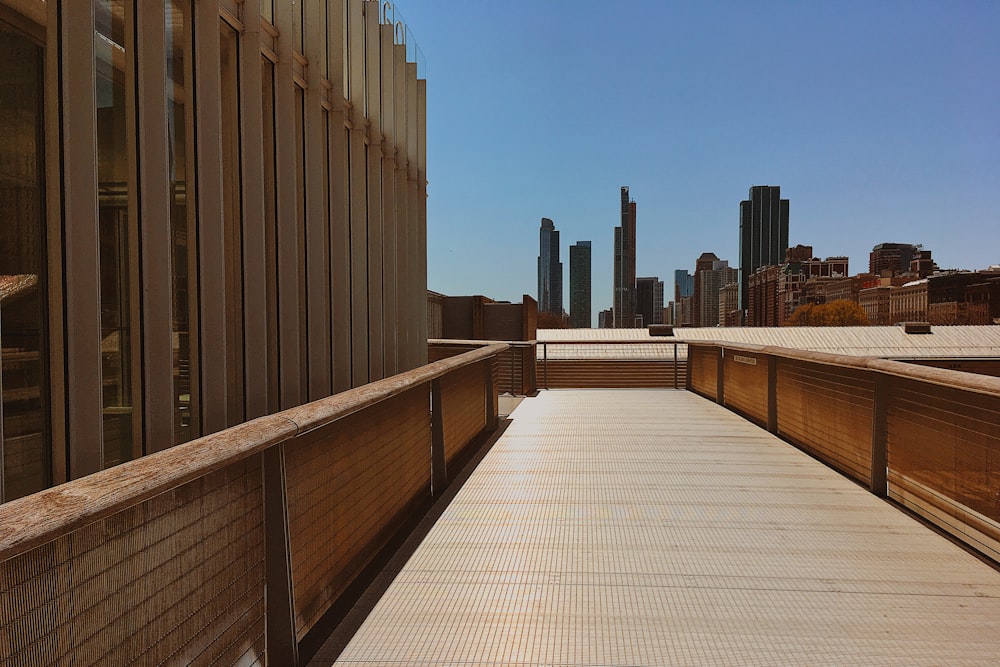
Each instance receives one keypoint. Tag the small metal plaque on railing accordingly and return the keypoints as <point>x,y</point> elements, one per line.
<point>749,361</point>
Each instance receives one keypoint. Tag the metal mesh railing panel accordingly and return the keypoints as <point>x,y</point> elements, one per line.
<point>509,371</point>
<point>746,389</point>
<point>176,579</point>
<point>944,447</point>
<point>463,401</point>
<point>703,364</point>
<point>348,484</point>
<point>828,412</point>
<point>621,374</point>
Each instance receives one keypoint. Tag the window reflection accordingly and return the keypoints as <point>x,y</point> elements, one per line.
<point>233,214</point>
<point>113,169</point>
<point>25,449</point>
<point>270,232</point>
<point>300,211</point>
<point>182,225</point>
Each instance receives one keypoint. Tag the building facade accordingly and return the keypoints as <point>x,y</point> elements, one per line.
<point>763,233</point>
<point>763,307</point>
<point>215,210</point>
<point>683,295</point>
<point>550,270</point>
<point>709,283</point>
<point>891,258</point>
<point>729,304</point>
<point>875,302</point>
<point>961,297</point>
<point>579,285</point>
<point>624,303</point>
<point>649,300</point>
<point>908,303</point>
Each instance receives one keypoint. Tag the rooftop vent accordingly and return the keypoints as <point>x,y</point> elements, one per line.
<point>917,327</point>
<point>661,330</point>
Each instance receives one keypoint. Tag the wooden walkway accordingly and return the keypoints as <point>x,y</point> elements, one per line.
<point>652,527</point>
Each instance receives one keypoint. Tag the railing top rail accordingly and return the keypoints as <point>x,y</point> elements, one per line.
<point>480,343</point>
<point>39,518</point>
<point>983,384</point>
<point>665,340</point>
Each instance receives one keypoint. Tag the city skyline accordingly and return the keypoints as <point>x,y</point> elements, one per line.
<point>884,130</point>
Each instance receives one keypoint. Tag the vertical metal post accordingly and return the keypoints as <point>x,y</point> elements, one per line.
<point>687,369</point>
<point>439,470</point>
<point>675,364</point>
<point>512,351</point>
<point>490,390</point>
<point>720,377</point>
<point>772,393</point>
<point>282,645</point>
<point>545,364</point>
<point>880,437</point>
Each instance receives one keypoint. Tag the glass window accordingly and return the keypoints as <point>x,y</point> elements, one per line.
<point>182,216</point>
<point>300,211</point>
<point>270,232</point>
<point>345,50</point>
<point>113,171</point>
<point>25,448</point>
<point>233,217</point>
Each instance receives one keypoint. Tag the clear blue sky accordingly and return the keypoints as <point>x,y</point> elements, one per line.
<point>879,119</point>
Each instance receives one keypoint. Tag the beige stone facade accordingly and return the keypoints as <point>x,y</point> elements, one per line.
<point>908,303</point>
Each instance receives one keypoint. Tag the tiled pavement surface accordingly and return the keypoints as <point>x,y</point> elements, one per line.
<point>652,527</point>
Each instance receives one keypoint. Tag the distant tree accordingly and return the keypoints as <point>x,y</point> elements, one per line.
<point>802,316</point>
<point>844,313</point>
<point>839,313</point>
<point>551,321</point>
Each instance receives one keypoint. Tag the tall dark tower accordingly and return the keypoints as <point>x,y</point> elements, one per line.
<point>763,233</point>
<point>550,271</point>
<point>579,285</point>
<point>624,298</point>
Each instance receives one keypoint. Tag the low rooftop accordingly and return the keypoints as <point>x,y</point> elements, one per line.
<point>889,342</point>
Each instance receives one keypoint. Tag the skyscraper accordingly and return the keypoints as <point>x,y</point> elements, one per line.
<point>683,296</point>
<point>579,285</point>
<point>709,284</point>
<point>892,257</point>
<point>649,300</point>
<point>705,262</point>
<point>550,271</point>
<point>763,233</point>
<point>624,271</point>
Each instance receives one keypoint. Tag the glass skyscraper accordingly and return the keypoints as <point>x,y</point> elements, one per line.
<point>549,270</point>
<point>624,277</point>
<point>579,285</point>
<point>763,233</point>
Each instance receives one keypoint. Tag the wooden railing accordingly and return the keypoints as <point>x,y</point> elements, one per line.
<point>229,549</point>
<point>928,438</point>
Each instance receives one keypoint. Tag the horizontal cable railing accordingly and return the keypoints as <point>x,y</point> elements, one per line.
<point>229,549</point>
<point>589,363</point>
<point>927,438</point>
